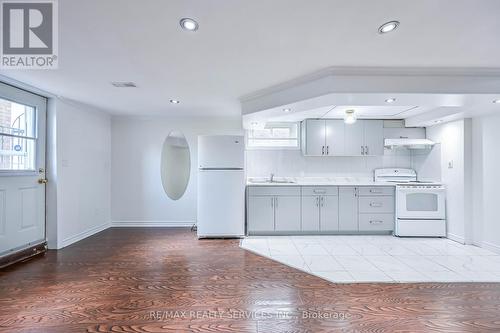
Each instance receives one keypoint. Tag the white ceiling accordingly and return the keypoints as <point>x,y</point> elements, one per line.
<point>243,46</point>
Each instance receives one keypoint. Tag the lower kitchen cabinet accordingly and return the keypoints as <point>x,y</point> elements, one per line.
<point>376,222</point>
<point>348,209</point>
<point>329,213</point>
<point>287,213</point>
<point>321,209</point>
<point>260,214</point>
<point>273,209</point>
<point>376,209</point>
<point>310,213</point>
<point>320,213</point>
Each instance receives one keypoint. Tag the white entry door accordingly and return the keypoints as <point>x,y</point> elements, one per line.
<point>22,169</point>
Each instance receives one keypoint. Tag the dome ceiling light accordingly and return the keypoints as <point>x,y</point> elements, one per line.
<point>350,117</point>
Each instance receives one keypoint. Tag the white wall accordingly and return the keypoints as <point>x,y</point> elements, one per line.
<point>485,167</point>
<point>81,173</point>
<point>448,163</point>
<point>138,198</point>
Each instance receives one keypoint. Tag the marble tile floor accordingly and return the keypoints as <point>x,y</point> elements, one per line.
<point>351,259</point>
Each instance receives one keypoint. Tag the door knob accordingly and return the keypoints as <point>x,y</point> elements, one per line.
<point>42,181</point>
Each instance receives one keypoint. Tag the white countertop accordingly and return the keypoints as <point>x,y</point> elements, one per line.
<point>318,181</point>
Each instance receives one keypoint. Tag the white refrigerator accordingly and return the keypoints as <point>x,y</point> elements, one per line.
<point>221,186</point>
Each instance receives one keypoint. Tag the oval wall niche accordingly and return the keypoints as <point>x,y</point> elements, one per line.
<point>175,165</point>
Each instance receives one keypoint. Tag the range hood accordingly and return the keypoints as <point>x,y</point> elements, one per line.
<point>408,143</point>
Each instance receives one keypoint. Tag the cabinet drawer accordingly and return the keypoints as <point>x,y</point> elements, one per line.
<point>320,190</point>
<point>274,190</point>
<point>375,190</point>
<point>371,222</point>
<point>376,204</point>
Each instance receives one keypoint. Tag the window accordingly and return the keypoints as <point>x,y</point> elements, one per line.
<point>17,136</point>
<point>274,136</point>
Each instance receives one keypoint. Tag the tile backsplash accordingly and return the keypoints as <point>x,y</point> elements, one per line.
<point>291,163</point>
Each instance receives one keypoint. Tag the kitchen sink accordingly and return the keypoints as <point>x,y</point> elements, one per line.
<point>275,180</point>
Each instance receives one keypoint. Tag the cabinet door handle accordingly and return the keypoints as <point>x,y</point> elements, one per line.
<point>272,202</point>
<point>375,204</point>
<point>376,222</point>
<point>322,201</point>
<point>327,150</point>
<point>362,150</point>
<point>276,202</point>
<point>317,201</point>
<point>366,150</point>
<point>319,191</point>
<point>323,150</point>
<point>375,191</point>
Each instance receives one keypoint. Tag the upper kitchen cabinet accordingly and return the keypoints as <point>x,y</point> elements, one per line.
<point>331,137</point>
<point>374,137</point>
<point>355,138</point>
<point>334,137</point>
<point>322,137</point>
<point>313,137</point>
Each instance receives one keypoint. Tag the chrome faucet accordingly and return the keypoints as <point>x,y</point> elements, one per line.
<point>271,179</point>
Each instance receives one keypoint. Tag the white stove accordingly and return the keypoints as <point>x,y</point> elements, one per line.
<point>420,206</point>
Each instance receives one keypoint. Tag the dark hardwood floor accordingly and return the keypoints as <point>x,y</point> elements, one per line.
<point>165,280</point>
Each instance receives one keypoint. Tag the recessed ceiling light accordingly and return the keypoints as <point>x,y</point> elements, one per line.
<point>174,101</point>
<point>350,117</point>
<point>188,24</point>
<point>390,100</point>
<point>497,101</point>
<point>388,27</point>
<point>287,110</point>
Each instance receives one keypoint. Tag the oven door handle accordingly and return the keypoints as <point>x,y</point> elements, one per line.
<point>420,190</point>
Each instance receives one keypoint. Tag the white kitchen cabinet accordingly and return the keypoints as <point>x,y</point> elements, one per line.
<point>310,213</point>
<point>287,213</point>
<point>354,138</point>
<point>376,222</point>
<point>348,209</point>
<point>273,209</point>
<point>334,137</point>
<point>374,137</point>
<point>319,209</point>
<point>331,137</point>
<point>260,213</point>
<point>323,137</point>
<point>376,208</point>
<point>376,204</point>
<point>329,213</point>
<point>315,133</point>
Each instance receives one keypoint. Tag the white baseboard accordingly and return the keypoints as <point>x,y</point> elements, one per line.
<point>456,238</point>
<point>138,224</point>
<point>490,246</point>
<point>84,234</point>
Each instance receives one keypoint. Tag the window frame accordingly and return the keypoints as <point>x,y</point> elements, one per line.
<point>275,124</point>
<point>20,96</point>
